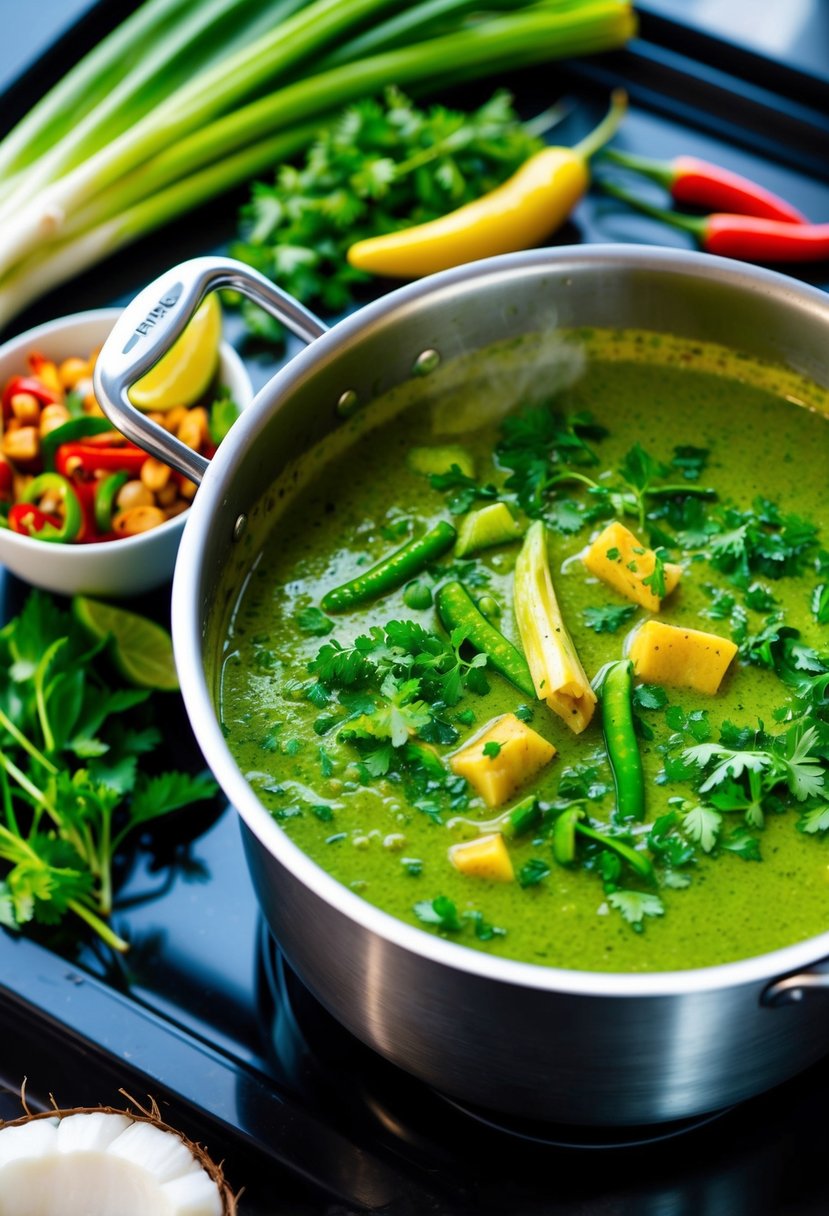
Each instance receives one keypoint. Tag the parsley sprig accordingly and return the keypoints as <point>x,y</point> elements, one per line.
<point>71,786</point>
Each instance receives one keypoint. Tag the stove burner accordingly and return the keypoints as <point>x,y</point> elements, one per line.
<point>314,1053</point>
<point>578,1136</point>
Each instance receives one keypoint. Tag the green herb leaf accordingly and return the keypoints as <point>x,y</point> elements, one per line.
<point>608,618</point>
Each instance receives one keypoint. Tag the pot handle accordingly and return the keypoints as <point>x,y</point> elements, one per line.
<point>152,322</point>
<point>792,989</point>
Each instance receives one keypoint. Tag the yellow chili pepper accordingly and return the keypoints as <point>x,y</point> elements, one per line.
<point>518,214</point>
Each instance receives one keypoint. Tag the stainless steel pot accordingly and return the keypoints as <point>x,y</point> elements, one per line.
<point>559,1045</point>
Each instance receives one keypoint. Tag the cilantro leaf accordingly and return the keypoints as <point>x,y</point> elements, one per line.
<point>314,621</point>
<point>635,906</point>
<point>690,461</point>
<point>155,796</point>
<point>608,618</point>
<point>380,165</point>
<point>440,912</point>
<point>703,826</point>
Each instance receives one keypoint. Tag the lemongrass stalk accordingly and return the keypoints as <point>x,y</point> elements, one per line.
<point>439,62</point>
<point>185,49</point>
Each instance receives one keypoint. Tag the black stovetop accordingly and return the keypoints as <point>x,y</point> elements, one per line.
<point>203,1014</point>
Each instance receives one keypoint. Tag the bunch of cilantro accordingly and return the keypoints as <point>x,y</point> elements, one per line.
<point>71,783</point>
<point>381,166</point>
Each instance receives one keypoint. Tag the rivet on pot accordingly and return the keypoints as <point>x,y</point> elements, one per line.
<point>347,403</point>
<point>425,363</point>
<point>239,526</point>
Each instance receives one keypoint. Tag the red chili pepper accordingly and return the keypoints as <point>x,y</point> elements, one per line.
<point>28,520</point>
<point>697,183</point>
<point>85,491</point>
<point>27,384</point>
<point>748,237</point>
<point>6,480</point>
<point>72,459</point>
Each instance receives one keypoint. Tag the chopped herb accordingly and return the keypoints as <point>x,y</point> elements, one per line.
<point>492,749</point>
<point>759,599</point>
<point>314,621</point>
<point>635,906</point>
<point>532,872</point>
<point>690,461</point>
<point>412,865</point>
<point>383,164</point>
<point>656,579</point>
<point>440,912</point>
<point>524,713</point>
<point>608,618</point>
<point>467,490</point>
<point>649,696</point>
<point>819,603</point>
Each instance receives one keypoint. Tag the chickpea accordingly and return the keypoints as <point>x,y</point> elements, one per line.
<point>133,494</point>
<point>72,370</point>
<point>188,490</point>
<point>193,428</point>
<point>137,520</point>
<point>155,474</point>
<point>172,419</point>
<point>167,495</point>
<point>25,407</point>
<point>176,508</point>
<point>51,417</point>
<point>22,444</point>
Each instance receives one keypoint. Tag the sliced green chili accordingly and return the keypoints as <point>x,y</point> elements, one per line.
<point>457,609</point>
<point>392,571</point>
<point>71,432</point>
<point>564,835</point>
<point>521,818</point>
<point>106,492</point>
<point>637,861</point>
<point>53,483</point>
<point>614,686</point>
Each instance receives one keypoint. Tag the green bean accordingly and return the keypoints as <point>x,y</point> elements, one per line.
<point>457,609</point>
<point>392,571</point>
<point>614,686</point>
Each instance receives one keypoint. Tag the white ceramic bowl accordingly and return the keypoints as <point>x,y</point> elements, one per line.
<point>116,568</point>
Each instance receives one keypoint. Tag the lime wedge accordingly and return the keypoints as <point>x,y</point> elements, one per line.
<point>184,374</point>
<point>141,649</point>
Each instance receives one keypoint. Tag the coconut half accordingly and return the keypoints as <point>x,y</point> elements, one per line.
<point>98,1161</point>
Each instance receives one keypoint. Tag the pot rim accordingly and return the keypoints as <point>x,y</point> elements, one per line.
<point>187,638</point>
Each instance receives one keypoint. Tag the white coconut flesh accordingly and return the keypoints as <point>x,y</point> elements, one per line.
<point>102,1163</point>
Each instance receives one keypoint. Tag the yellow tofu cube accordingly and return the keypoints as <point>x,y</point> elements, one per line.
<point>501,758</point>
<point>684,658</point>
<point>619,559</point>
<point>486,857</point>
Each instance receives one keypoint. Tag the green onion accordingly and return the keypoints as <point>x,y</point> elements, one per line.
<point>217,92</point>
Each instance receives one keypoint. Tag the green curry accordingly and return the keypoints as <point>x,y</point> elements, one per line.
<point>346,721</point>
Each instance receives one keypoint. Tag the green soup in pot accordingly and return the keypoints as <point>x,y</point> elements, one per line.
<point>345,723</point>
